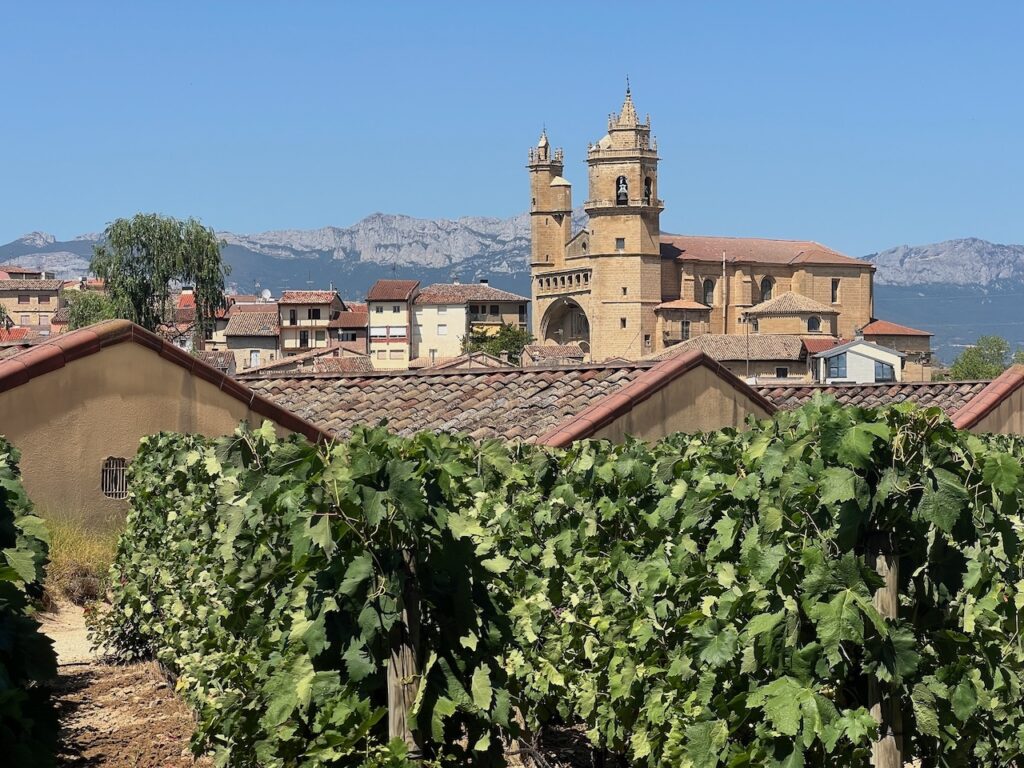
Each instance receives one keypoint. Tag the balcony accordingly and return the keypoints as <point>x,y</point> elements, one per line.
<point>575,281</point>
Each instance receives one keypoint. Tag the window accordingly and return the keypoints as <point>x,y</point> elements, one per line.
<point>44,319</point>
<point>254,358</point>
<point>114,478</point>
<point>648,190</point>
<point>313,313</point>
<point>622,322</point>
<point>647,339</point>
<point>475,310</point>
<point>347,336</point>
<point>320,336</point>
<point>884,372</point>
<point>396,331</point>
<point>522,312</point>
<point>303,338</point>
<point>813,324</point>
<point>494,310</point>
<point>396,308</point>
<point>837,366</point>
<point>44,299</point>
<point>379,309</point>
<point>767,285</point>
<point>382,354</point>
<point>442,310</point>
<point>378,331</point>
<point>442,329</point>
<point>292,317</point>
<point>397,354</point>
<point>620,244</point>
<point>26,319</point>
<point>621,191</point>
<point>625,291</point>
<point>781,373</point>
<point>685,328</point>
<point>835,290</point>
<point>708,294</point>
<point>23,298</point>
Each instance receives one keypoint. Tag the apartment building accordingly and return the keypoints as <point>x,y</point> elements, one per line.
<point>31,302</point>
<point>305,319</point>
<point>389,304</point>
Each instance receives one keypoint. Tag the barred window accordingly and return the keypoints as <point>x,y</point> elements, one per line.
<point>114,478</point>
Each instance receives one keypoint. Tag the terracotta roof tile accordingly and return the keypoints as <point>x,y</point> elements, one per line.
<point>350,320</point>
<point>950,396</point>
<point>268,307</point>
<point>886,328</point>
<point>816,344</point>
<point>736,346</point>
<point>752,250</point>
<point>1008,382</point>
<point>392,290</point>
<point>31,285</point>
<point>464,293</point>
<point>790,303</point>
<point>245,323</point>
<point>558,351</point>
<point>308,297</point>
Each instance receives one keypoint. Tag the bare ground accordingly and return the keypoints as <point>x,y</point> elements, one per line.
<point>114,716</point>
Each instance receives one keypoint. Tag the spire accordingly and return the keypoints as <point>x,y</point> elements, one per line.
<point>543,137</point>
<point>627,117</point>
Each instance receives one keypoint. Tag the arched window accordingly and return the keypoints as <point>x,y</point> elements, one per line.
<point>767,286</point>
<point>621,191</point>
<point>648,190</point>
<point>813,324</point>
<point>709,292</point>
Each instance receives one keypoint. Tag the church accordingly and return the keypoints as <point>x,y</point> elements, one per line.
<point>623,288</point>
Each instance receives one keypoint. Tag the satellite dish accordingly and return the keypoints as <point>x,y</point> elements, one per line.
<point>265,294</point>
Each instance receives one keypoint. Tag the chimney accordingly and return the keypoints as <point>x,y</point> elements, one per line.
<point>503,356</point>
<point>484,281</point>
<point>455,281</point>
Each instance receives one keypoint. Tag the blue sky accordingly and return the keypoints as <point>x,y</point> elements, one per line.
<point>862,125</point>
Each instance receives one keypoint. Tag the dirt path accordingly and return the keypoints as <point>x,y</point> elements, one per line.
<point>114,716</point>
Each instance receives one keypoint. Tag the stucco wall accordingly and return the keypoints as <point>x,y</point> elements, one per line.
<point>1007,418</point>
<point>68,421</point>
<point>427,318</point>
<point>696,401</point>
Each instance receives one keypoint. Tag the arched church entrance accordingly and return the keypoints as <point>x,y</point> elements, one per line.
<point>565,322</point>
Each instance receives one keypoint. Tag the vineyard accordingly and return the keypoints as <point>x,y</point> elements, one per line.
<point>703,601</point>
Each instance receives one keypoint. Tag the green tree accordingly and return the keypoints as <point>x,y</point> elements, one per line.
<point>141,257</point>
<point>88,307</point>
<point>509,339</point>
<point>985,360</point>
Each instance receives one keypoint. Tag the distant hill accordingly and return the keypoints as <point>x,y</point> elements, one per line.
<point>959,289</point>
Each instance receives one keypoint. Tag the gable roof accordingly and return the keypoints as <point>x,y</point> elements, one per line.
<point>815,344</point>
<point>308,297</point>
<point>392,290</point>
<point>463,293</point>
<point>352,319</point>
<point>554,351</point>
<point>847,345</point>
<point>886,328</point>
<point>9,268</point>
<point>753,250</point>
<point>269,307</point>
<point>738,346</point>
<point>288,363</point>
<point>31,285</point>
<point>532,404</point>
<point>986,401</point>
<point>65,348</point>
<point>790,303</point>
<point>243,323</point>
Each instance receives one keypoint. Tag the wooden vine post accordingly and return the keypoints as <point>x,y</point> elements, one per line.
<point>403,665</point>
<point>887,751</point>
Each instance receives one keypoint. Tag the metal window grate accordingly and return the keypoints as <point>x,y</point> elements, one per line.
<point>114,478</point>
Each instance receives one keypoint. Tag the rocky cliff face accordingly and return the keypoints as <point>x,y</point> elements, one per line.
<point>954,262</point>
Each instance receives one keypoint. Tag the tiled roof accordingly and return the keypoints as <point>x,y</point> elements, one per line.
<point>886,328</point>
<point>290,363</point>
<point>790,303</point>
<point>19,270</point>
<point>356,306</point>
<point>268,307</point>
<point>950,396</point>
<point>61,316</point>
<point>12,335</point>
<point>553,351</point>
<point>350,320</point>
<point>353,364</point>
<point>392,290</point>
<point>463,293</point>
<point>221,359</point>
<point>307,297</point>
<point>65,348</point>
<point>31,285</point>
<point>475,359</point>
<point>683,304</point>
<point>186,300</point>
<point>737,346</point>
<point>530,404</point>
<point>252,324</point>
<point>816,344</point>
<point>752,250</point>
<point>1008,382</point>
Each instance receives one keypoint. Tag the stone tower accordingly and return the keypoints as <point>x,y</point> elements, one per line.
<point>599,288</point>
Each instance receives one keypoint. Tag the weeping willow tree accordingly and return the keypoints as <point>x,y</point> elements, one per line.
<point>143,257</point>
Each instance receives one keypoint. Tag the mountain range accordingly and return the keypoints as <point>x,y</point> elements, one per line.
<point>959,289</point>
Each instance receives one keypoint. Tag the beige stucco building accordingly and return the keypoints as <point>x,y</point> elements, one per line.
<point>31,302</point>
<point>305,319</point>
<point>77,405</point>
<point>389,304</point>
<point>623,288</point>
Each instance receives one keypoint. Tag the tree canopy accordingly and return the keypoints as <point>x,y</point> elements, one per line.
<point>988,358</point>
<point>142,257</point>
<point>509,339</point>
<point>88,307</point>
